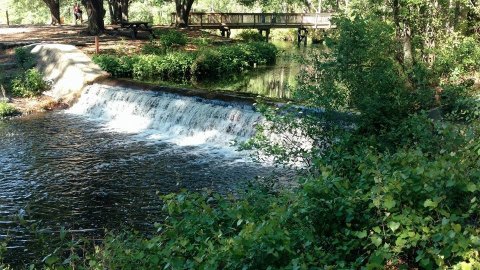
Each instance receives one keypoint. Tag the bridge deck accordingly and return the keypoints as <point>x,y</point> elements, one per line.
<point>257,20</point>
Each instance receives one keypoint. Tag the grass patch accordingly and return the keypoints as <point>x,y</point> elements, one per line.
<point>7,110</point>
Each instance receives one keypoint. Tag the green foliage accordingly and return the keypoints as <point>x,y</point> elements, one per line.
<point>169,38</point>
<point>118,66</point>
<point>360,71</point>
<point>459,104</point>
<point>29,83</point>
<point>458,58</point>
<point>213,63</point>
<point>166,40</point>
<point>410,207</point>
<point>6,110</point>
<point>201,41</point>
<point>210,231</point>
<point>24,58</point>
<point>173,67</point>
<point>363,207</point>
<point>251,35</point>
<point>181,67</point>
<point>153,48</point>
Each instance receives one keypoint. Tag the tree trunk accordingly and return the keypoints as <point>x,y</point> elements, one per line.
<point>124,10</point>
<point>456,15</point>
<point>398,28</point>
<point>183,10</point>
<point>308,5</point>
<point>407,45</point>
<point>54,6</point>
<point>118,10</point>
<point>113,10</point>
<point>95,14</point>
<point>473,19</point>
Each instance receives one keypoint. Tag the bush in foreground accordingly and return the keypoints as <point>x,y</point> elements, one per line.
<point>29,84</point>
<point>366,208</point>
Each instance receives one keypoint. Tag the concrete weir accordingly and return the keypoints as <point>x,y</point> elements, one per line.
<point>67,68</point>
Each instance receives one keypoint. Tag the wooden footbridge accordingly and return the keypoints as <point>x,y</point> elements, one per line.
<point>261,21</point>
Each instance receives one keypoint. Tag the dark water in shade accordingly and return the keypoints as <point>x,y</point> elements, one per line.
<point>274,81</point>
<point>58,169</point>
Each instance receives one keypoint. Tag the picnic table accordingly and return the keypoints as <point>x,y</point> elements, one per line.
<point>135,26</point>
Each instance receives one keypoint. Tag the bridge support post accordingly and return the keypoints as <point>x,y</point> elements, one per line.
<point>226,32</point>
<point>267,33</point>
<point>302,36</point>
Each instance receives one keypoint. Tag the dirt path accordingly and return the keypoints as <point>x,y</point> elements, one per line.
<point>15,36</point>
<point>74,35</point>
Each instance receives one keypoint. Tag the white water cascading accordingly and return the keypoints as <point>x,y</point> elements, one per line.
<point>162,116</point>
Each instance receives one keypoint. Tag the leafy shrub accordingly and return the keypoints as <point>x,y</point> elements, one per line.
<point>119,67</point>
<point>146,67</point>
<point>458,102</point>
<point>29,84</point>
<point>208,231</point>
<point>165,41</point>
<point>183,66</point>
<point>360,72</point>
<point>261,53</point>
<point>169,38</point>
<point>251,35</point>
<point>171,67</point>
<point>24,58</point>
<point>201,41</point>
<point>405,208</point>
<point>153,48</point>
<point>213,63</point>
<point>456,59</point>
<point>207,65</point>
<point>364,208</point>
<point>6,110</point>
<point>177,66</point>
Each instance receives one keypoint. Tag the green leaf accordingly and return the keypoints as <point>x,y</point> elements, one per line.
<point>393,225</point>
<point>430,203</point>
<point>457,228</point>
<point>376,240</point>
<point>389,202</point>
<point>361,234</point>
<point>471,187</point>
<point>51,259</point>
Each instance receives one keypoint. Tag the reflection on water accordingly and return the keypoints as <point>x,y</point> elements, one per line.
<point>64,170</point>
<point>271,81</point>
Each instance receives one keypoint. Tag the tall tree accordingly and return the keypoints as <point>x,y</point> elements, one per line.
<point>183,8</point>
<point>96,14</point>
<point>118,10</point>
<point>54,6</point>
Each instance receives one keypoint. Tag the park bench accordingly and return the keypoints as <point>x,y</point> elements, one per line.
<point>135,26</point>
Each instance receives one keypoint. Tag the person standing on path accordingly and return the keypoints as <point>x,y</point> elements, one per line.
<point>77,11</point>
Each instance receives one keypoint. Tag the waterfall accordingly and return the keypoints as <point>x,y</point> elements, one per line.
<point>168,117</point>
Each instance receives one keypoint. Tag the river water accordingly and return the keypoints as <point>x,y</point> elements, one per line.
<point>276,81</point>
<point>104,162</point>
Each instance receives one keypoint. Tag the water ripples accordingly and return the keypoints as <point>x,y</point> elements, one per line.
<point>64,170</point>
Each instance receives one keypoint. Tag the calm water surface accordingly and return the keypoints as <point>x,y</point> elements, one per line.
<point>275,81</point>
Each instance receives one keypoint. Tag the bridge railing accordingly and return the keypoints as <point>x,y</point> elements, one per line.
<point>258,20</point>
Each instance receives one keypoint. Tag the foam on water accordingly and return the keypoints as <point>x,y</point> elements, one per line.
<point>184,121</point>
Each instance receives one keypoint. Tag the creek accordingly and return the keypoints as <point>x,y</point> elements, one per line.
<point>103,164</point>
